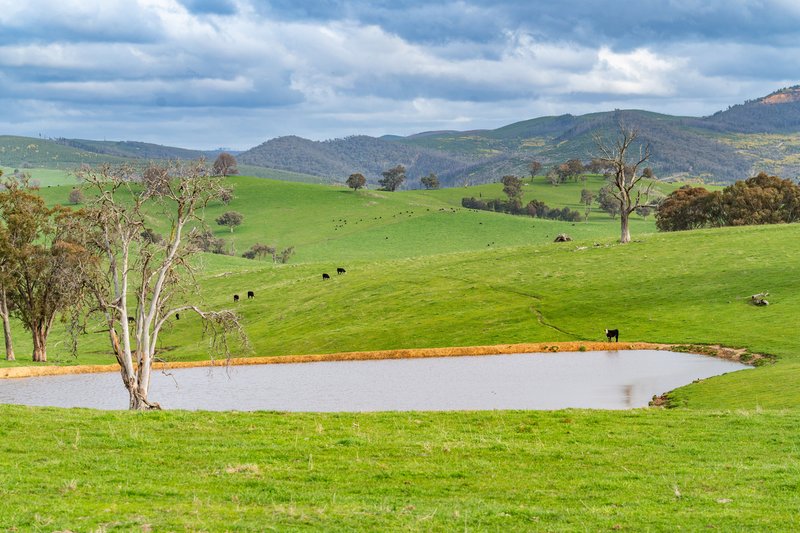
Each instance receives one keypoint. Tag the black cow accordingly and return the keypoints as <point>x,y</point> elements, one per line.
<point>131,320</point>
<point>325,276</point>
<point>612,333</point>
<point>250,295</point>
<point>235,297</point>
<point>340,270</point>
<point>177,316</point>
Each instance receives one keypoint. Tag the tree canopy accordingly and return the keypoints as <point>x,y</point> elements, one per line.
<point>230,219</point>
<point>224,165</point>
<point>431,181</point>
<point>356,181</point>
<point>393,178</point>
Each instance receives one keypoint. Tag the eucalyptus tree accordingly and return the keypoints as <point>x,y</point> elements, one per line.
<point>393,178</point>
<point>143,283</point>
<point>44,259</point>
<point>225,165</point>
<point>356,181</point>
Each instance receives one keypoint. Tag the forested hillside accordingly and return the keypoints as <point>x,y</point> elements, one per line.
<point>758,135</point>
<point>724,147</point>
<point>338,158</point>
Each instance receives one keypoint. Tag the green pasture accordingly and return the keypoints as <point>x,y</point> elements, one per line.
<point>45,177</point>
<point>423,272</point>
<point>640,470</point>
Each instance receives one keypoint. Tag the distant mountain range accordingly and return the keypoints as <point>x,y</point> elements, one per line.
<point>760,134</point>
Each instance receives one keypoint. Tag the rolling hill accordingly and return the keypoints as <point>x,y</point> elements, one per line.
<point>758,135</point>
<point>420,274</point>
<point>761,134</point>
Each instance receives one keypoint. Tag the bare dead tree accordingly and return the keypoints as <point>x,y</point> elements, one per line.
<point>624,176</point>
<point>153,274</point>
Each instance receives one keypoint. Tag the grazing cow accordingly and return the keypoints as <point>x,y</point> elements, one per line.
<point>340,270</point>
<point>612,333</point>
<point>325,276</point>
<point>235,297</point>
<point>250,295</point>
<point>131,320</point>
<point>177,316</point>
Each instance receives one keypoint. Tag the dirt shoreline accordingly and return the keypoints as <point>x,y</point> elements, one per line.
<point>740,355</point>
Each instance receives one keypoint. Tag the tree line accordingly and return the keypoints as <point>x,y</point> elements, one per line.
<point>392,179</point>
<point>512,187</point>
<point>762,199</point>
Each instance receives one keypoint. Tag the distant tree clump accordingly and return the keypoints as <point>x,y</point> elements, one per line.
<point>226,195</point>
<point>574,168</point>
<point>587,197</point>
<point>76,197</point>
<point>356,181</point>
<point>607,201</point>
<point>224,165</point>
<point>512,187</point>
<point>645,211</point>
<point>206,242</point>
<point>431,181</point>
<point>286,254</point>
<point>596,166</point>
<point>762,199</point>
<point>535,167</point>
<point>685,208</point>
<point>553,176</point>
<point>230,219</point>
<point>563,172</point>
<point>393,178</point>
<point>535,208</point>
<point>156,180</point>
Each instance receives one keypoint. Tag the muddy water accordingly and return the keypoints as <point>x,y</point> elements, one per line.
<point>602,380</point>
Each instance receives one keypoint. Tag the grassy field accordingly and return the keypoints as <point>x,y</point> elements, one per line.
<point>422,272</point>
<point>46,177</point>
<point>642,470</point>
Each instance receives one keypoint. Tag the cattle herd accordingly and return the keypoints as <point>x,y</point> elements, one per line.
<point>339,270</point>
<point>251,294</point>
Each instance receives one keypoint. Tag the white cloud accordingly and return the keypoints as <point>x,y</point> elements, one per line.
<point>114,61</point>
<point>640,72</point>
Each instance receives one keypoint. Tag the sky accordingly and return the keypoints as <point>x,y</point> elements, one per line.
<point>235,73</point>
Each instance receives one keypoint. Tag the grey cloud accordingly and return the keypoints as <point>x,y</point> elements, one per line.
<point>210,7</point>
<point>332,68</point>
<point>54,21</point>
<point>623,23</point>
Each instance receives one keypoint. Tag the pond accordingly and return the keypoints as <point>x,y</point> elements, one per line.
<point>601,380</point>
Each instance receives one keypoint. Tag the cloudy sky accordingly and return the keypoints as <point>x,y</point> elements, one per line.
<point>234,73</point>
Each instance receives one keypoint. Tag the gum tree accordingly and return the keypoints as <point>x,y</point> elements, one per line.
<point>44,258</point>
<point>150,281</point>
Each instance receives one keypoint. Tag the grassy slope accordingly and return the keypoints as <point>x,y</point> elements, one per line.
<point>14,151</point>
<point>403,292</point>
<point>643,469</point>
<point>45,177</point>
